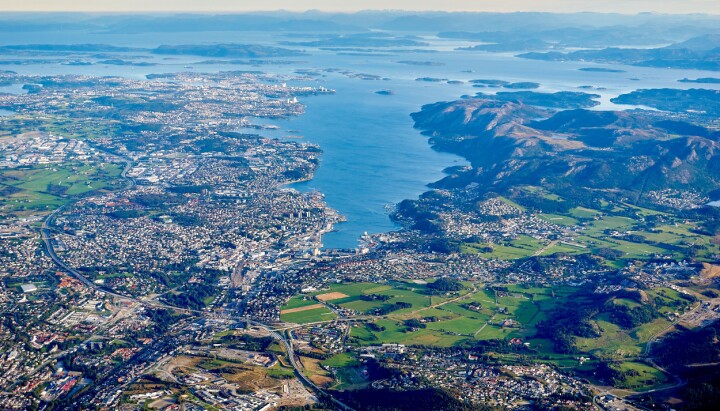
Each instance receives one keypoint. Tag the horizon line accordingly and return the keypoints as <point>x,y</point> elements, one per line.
<point>328,11</point>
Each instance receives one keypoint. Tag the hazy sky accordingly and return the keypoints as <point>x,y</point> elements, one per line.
<point>620,6</point>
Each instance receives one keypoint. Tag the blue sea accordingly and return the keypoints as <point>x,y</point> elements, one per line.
<point>372,156</point>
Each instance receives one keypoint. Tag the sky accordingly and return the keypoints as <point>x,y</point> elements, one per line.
<point>567,6</point>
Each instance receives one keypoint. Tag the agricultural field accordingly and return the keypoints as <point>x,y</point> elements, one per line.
<point>477,315</point>
<point>521,247</point>
<point>614,342</point>
<point>311,315</point>
<point>636,232</point>
<point>341,360</point>
<point>559,219</point>
<point>484,313</point>
<point>366,297</point>
<point>48,187</point>
<point>637,376</point>
<point>618,343</point>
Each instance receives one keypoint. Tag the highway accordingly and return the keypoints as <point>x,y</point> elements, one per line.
<point>50,251</point>
<point>287,343</point>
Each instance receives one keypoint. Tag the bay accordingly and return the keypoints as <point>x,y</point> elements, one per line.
<point>372,155</point>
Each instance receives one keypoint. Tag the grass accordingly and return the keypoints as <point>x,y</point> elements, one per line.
<point>350,376</point>
<point>309,316</point>
<point>563,248</point>
<point>493,332</point>
<point>341,360</point>
<point>280,372</point>
<point>396,333</point>
<point>582,212</point>
<point>512,203</point>
<point>521,247</point>
<point>297,302</point>
<point>559,219</point>
<point>456,323</point>
<point>32,184</point>
<point>460,325</point>
<point>639,376</point>
<point>613,343</point>
<point>312,368</point>
<point>626,302</point>
<point>397,291</point>
<point>646,331</point>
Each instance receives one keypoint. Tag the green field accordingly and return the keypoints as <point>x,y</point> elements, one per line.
<point>477,315</point>
<point>397,291</point>
<point>298,301</point>
<point>638,376</point>
<point>502,312</point>
<point>521,247</point>
<point>613,227</point>
<point>32,187</point>
<point>341,360</point>
<point>349,377</point>
<point>309,316</point>
<point>559,219</point>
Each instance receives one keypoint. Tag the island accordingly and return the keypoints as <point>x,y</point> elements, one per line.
<point>703,80</point>
<point>601,70</point>
<point>698,102</point>
<point>700,53</point>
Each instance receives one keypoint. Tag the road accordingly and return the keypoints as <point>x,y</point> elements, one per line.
<point>679,382</point>
<point>287,343</point>
<point>50,251</point>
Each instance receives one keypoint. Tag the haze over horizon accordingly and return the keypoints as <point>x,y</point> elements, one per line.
<point>563,6</point>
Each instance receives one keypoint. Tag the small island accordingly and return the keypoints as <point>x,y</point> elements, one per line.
<point>421,63</point>
<point>522,85</point>
<point>702,80</point>
<point>484,83</point>
<point>431,79</point>
<point>601,70</point>
<point>385,92</point>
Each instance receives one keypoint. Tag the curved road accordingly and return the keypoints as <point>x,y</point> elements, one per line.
<point>50,251</point>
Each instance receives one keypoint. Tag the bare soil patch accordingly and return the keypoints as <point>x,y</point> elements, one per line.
<point>299,309</point>
<point>331,296</point>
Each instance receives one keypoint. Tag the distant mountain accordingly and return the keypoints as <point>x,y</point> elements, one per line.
<point>628,151</point>
<point>227,50</point>
<point>522,38</point>
<point>578,29</point>
<point>648,23</point>
<point>512,45</point>
<point>359,40</point>
<point>209,50</point>
<point>667,57</point>
<point>224,22</point>
<point>85,48</point>
<point>701,43</point>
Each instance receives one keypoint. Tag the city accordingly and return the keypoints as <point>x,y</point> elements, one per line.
<point>163,247</point>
